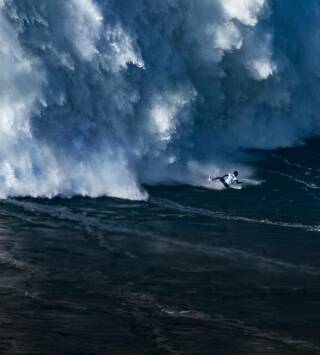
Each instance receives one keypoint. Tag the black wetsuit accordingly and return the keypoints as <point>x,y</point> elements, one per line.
<point>223,182</point>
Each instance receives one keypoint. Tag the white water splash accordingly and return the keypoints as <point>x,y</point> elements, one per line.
<point>99,97</point>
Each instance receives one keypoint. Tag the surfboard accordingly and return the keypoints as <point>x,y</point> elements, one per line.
<point>220,186</point>
<point>235,187</point>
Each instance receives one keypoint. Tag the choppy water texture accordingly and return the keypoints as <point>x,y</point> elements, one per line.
<point>110,97</point>
<point>191,271</point>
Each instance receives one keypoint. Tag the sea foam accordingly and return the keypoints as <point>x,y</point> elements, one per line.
<point>99,97</point>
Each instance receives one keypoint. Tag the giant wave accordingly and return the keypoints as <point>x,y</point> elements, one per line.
<point>99,97</point>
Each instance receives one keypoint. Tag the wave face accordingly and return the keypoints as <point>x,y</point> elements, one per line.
<point>99,97</point>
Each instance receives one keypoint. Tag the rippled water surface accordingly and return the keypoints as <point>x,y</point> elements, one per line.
<point>191,271</point>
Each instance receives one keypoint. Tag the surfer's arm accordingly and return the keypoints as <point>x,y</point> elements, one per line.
<point>221,177</point>
<point>211,178</point>
<point>239,182</point>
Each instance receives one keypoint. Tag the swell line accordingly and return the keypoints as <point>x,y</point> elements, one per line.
<point>220,215</point>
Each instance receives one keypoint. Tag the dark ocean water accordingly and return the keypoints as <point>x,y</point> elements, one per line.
<point>191,271</point>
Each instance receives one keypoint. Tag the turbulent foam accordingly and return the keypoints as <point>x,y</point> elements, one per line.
<point>98,97</point>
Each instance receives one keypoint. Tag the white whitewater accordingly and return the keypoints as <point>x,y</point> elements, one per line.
<point>99,97</point>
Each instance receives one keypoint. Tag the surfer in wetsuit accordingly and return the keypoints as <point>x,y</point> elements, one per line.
<point>228,179</point>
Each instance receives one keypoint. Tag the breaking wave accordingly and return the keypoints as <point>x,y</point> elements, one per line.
<point>99,97</point>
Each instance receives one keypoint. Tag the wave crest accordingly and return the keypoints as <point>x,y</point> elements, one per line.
<point>98,97</point>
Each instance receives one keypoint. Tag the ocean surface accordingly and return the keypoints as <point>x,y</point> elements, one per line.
<point>113,113</point>
<point>190,271</point>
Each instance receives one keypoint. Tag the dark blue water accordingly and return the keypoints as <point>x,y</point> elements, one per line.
<point>191,271</point>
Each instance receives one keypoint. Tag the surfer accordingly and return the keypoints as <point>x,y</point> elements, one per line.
<point>227,180</point>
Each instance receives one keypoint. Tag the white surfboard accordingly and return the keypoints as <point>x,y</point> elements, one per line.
<point>235,187</point>
<point>217,184</point>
